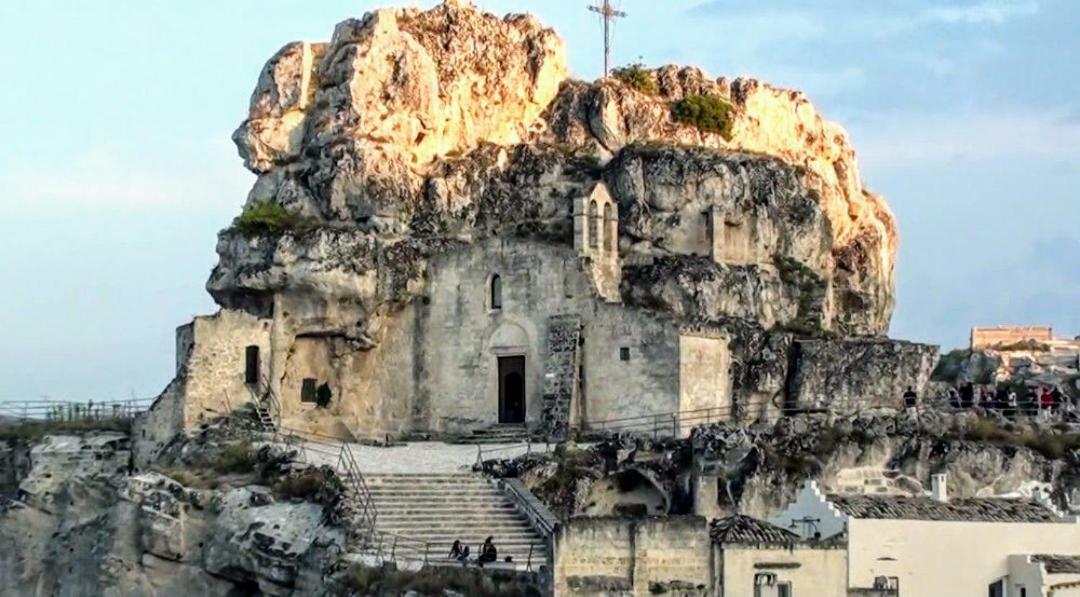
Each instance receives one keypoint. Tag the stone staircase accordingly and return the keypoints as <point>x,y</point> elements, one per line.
<point>560,373</point>
<point>427,512</point>
<point>502,433</point>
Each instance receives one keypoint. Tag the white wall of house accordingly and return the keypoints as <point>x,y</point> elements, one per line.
<point>948,558</point>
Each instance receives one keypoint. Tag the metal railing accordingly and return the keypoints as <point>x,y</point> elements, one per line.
<point>63,411</point>
<point>542,519</point>
<point>365,514</point>
<point>482,450</point>
<point>390,547</point>
<point>674,422</point>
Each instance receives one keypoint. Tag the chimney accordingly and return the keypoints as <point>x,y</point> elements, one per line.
<point>938,490</point>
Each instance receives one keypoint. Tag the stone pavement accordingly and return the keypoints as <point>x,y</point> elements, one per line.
<point>418,457</point>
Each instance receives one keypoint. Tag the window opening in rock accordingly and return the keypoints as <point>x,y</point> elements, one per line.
<point>308,390</point>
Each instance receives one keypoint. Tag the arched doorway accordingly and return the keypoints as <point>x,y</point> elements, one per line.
<point>512,390</point>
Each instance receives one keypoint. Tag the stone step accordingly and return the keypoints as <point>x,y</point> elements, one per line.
<point>451,526</point>
<point>429,483</point>
<point>442,503</point>
<point>445,494</point>
<point>438,512</point>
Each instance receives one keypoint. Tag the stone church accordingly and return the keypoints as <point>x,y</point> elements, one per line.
<point>451,250</point>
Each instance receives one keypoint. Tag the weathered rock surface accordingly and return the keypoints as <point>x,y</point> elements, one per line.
<point>764,465</point>
<point>451,124</point>
<point>85,526</point>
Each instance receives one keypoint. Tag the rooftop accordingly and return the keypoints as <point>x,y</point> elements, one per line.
<point>892,507</point>
<point>1059,564</point>
<point>739,529</point>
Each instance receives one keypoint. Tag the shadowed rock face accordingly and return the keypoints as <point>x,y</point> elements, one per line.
<point>451,125</point>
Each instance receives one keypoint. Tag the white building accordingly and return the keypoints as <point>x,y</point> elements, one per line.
<point>933,545</point>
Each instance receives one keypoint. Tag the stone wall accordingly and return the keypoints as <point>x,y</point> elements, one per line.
<point>633,557</point>
<point>810,570</point>
<point>215,383</point>
<point>704,380</point>
<point>858,373</point>
<point>461,336</point>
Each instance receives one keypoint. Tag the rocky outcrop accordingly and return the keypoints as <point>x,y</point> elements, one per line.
<point>423,127</point>
<point>85,524</point>
<point>759,469</point>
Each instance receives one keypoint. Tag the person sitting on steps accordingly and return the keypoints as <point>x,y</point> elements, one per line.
<point>488,553</point>
<point>459,553</point>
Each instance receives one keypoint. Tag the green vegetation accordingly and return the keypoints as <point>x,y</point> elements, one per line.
<point>637,77</point>
<point>269,217</point>
<point>812,291</point>
<point>236,458</point>
<point>708,113</point>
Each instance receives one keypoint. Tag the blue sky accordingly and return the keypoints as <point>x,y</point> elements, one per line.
<point>116,169</point>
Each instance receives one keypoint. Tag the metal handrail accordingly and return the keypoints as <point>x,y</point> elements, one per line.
<point>346,463</point>
<point>60,410</point>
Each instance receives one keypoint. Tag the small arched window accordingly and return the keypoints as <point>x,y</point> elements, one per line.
<point>609,228</point>
<point>594,226</point>
<point>496,292</point>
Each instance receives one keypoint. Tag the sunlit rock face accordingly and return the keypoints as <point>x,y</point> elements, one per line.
<point>455,123</point>
<point>609,115</point>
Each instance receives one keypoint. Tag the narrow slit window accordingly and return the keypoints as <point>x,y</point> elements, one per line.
<point>594,226</point>
<point>496,292</point>
<point>611,229</point>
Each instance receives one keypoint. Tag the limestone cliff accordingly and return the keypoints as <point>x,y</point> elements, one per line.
<point>410,131</point>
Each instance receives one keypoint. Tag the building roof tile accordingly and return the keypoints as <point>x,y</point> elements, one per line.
<point>1059,564</point>
<point>892,507</point>
<point>739,529</point>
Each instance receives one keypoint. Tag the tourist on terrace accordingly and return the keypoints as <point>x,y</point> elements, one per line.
<point>967,395</point>
<point>488,553</point>
<point>911,400</point>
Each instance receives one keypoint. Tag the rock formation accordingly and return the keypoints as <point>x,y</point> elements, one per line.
<point>758,470</point>
<point>410,129</point>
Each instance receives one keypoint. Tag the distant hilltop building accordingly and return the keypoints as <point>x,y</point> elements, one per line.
<point>1006,335</point>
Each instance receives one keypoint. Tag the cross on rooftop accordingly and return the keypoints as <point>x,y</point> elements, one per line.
<point>608,14</point>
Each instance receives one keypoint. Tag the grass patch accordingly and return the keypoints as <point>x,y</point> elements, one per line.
<point>707,113</point>
<point>236,458</point>
<point>269,217</point>
<point>637,77</point>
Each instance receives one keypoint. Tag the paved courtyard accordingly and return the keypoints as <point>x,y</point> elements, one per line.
<point>417,457</point>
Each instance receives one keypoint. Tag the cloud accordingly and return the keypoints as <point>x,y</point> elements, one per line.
<point>108,176</point>
<point>859,18</point>
<point>903,139</point>
<point>990,12</point>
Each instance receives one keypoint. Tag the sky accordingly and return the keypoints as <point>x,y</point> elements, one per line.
<point>116,168</point>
